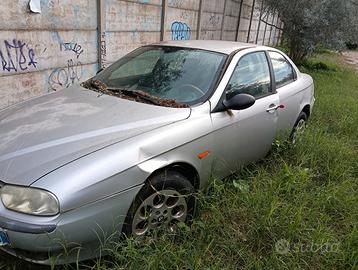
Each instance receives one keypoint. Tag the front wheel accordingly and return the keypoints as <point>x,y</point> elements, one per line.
<point>165,200</point>
<point>299,127</point>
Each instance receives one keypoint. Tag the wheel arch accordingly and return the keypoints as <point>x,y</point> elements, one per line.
<point>184,168</point>
<point>307,110</point>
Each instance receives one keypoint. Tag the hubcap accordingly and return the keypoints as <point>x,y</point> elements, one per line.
<point>300,128</point>
<point>162,210</point>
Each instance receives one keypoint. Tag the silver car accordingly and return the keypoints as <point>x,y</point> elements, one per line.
<point>127,150</point>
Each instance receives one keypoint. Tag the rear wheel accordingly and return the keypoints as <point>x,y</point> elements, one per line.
<point>165,200</point>
<point>299,127</point>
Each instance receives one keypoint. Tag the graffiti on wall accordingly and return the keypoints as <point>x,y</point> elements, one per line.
<point>180,31</point>
<point>16,56</point>
<point>176,3</point>
<point>64,77</point>
<point>103,49</point>
<point>71,46</point>
<point>214,19</point>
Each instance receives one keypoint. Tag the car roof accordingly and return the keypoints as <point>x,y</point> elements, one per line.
<point>226,47</point>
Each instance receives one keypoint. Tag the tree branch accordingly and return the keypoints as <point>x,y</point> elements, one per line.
<point>272,25</point>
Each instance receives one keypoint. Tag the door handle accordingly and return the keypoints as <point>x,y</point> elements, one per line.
<point>274,108</point>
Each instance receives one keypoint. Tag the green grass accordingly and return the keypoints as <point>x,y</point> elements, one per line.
<point>306,195</point>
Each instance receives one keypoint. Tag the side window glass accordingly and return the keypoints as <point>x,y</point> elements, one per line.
<point>251,76</point>
<point>283,70</point>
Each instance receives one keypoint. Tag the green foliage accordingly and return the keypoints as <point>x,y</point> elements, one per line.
<point>351,45</point>
<point>310,24</point>
<point>300,200</point>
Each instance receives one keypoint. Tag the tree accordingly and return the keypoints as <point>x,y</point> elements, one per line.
<point>308,24</point>
<point>353,8</point>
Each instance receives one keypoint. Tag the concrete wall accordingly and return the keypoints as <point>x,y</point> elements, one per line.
<point>51,50</point>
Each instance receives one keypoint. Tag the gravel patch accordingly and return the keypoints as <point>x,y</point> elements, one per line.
<point>351,57</point>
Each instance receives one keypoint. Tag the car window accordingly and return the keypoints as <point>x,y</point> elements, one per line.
<point>181,74</point>
<point>283,70</point>
<point>144,64</point>
<point>251,76</point>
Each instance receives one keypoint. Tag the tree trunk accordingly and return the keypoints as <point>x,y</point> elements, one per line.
<point>296,51</point>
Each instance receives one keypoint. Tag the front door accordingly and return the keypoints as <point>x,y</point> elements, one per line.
<point>241,137</point>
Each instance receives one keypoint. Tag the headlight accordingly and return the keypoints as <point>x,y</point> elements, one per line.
<point>29,200</point>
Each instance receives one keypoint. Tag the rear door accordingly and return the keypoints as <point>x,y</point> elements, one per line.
<point>289,90</point>
<point>244,136</point>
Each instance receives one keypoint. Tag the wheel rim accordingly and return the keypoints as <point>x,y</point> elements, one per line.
<point>299,129</point>
<point>162,210</point>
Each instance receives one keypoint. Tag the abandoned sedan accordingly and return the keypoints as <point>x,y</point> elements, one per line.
<point>127,150</point>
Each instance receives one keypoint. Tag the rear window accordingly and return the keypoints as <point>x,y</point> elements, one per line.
<point>283,70</point>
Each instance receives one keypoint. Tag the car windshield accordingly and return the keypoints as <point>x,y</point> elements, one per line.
<point>182,75</point>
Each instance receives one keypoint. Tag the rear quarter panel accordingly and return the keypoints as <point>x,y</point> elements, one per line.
<point>294,96</point>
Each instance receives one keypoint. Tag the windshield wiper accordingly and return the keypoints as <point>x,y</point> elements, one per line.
<point>135,95</point>
<point>139,95</point>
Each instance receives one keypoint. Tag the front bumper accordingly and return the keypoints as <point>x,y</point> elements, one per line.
<point>75,235</point>
<point>23,227</point>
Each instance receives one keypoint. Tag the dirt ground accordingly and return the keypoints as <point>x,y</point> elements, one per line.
<point>351,57</point>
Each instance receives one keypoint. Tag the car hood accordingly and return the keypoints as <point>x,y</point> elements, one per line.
<point>42,134</point>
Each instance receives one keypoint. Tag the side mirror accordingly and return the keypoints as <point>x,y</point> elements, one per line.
<point>239,102</point>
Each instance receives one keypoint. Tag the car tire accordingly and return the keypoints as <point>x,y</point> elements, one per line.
<point>299,127</point>
<point>166,199</point>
